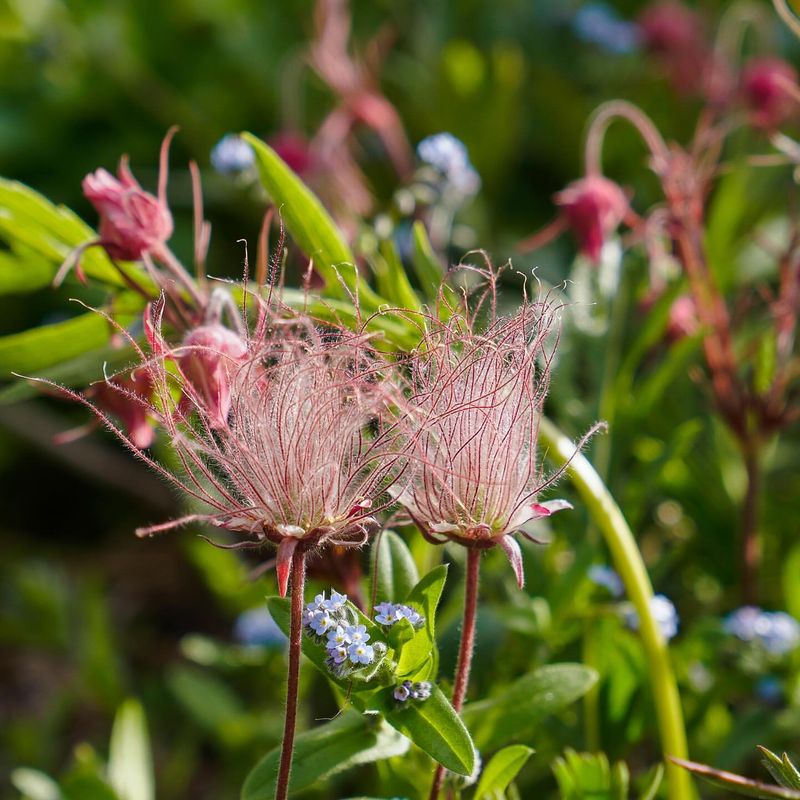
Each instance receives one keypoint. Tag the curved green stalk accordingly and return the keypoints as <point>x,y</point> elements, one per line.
<point>608,517</point>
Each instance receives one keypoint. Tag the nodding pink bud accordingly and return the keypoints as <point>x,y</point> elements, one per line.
<point>593,208</point>
<point>206,360</point>
<point>294,149</point>
<point>670,28</point>
<point>127,399</point>
<point>683,319</point>
<point>132,221</point>
<point>769,87</point>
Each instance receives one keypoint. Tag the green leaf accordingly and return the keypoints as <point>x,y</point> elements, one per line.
<point>130,762</point>
<point>502,769</point>
<point>348,741</point>
<point>53,232</point>
<point>427,266</point>
<point>434,727</point>
<point>417,660</point>
<point>737,783</point>
<point>38,348</point>
<point>653,783</point>
<point>391,278</point>
<point>78,372</point>
<point>35,785</point>
<point>517,711</point>
<point>781,768</point>
<point>583,775</point>
<point>24,273</point>
<point>396,570</point>
<point>309,223</point>
<point>211,703</point>
<point>317,654</point>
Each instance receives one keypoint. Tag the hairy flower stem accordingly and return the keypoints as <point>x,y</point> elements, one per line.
<point>293,679</point>
<point>465,649</point>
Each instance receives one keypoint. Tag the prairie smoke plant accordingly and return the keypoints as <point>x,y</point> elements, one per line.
<point>472,423</point>
<point>280,439</point>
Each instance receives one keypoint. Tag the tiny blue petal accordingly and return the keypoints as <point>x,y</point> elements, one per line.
<point>232,154</point>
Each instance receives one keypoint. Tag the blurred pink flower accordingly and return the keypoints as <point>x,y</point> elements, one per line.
<point>593,207</point>
<point>294,149</point>
<point>472,424</point>
<point>683,319</point>
<point>133,222</point>
<point>769,90</point>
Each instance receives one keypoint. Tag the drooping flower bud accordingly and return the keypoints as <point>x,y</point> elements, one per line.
<point>132,221</point>
<point>126,399</point>
<point>294,149</point>
<point>683,319</point>
<point>593,207</point>
<point>767,90</point>
<point>206,360</point>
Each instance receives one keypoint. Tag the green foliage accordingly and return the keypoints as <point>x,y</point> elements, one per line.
<point>516,711</point>
<point>501,770</point>
<point>351,740</point>
<point>395,569</point>
<point>130,764</point>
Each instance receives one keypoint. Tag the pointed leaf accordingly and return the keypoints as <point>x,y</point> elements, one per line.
<point>130,763</point>
<point>417,659</point>
<point>434,727</point>
<point>501,770</point>
<point>517,711</point>
<point>309,223</point>
<point>35,785</point>
<point>348,741</point>
<point>396,570</point>
<point>737,783</point>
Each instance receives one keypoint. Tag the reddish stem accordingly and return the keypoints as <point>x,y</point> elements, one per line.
<point>751,554</point>
<point>465,649</point>
<point>293,678</point>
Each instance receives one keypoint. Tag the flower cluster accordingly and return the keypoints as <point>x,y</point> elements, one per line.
<point>410,690</point>
<point>775,631</point>
<point>389,613</point>
<point>599,24</point>
<point>606,578</point>
<point>256,628</point>
<point>232,155</point>
<point>448,156</point>
<point>664,612</point>
<point>333,623</point>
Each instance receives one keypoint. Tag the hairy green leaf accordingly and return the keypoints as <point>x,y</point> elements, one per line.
<point>396,570</point>
<point>434,727</point>
<point>737,783</point>
<point>417,660</point>
<point>515,713</point>
<point>350,740</point>
<point>309,223</point>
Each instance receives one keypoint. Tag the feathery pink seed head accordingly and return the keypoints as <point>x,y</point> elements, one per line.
<point>593,207</point>
<point>301,457</point>
<point>472,425</point>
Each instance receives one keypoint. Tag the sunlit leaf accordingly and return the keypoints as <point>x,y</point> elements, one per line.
<point>350,740</point>
<point>501,770</point>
